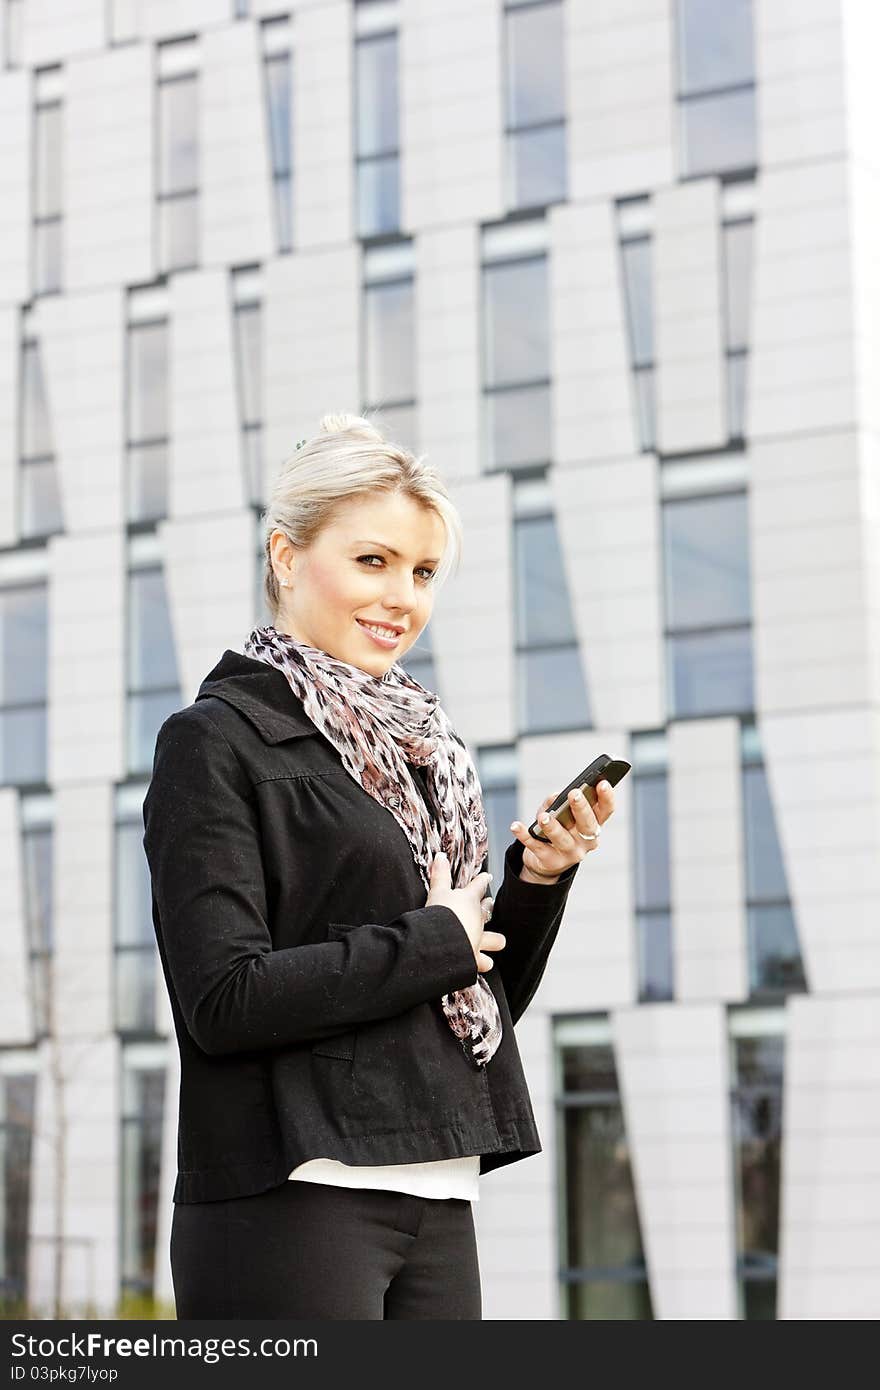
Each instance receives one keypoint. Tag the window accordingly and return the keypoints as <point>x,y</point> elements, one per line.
<point>516,347</point>
<point>36,862</point>
<point>153,682</point>
<point>277,66</point>
<point>135,945</point>
<point>498,779</point>
<point>419,660</point>
<point>377,120</point>
<point>534,62</point>
<point>737,234</point>
<point>23,681</point>
<point>757,1047</point>
<point>775,963</point>
<point>551,693</point>
<point>178,173</point>
<point>650,792</point>
<point>39,499</point>
<point>708,605</point>
<point>634,221</point>
<point>143,1099</point>
<point>47,181</point>
<point>601,1262</point>
<point>147,406</point>
<point>18,1087</point>
<point>716,86</point>
<point>247,299</point>
<point>389,347</point>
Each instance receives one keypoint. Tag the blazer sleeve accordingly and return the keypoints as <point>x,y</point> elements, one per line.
<point>529,916</point>
<point>237,993</point>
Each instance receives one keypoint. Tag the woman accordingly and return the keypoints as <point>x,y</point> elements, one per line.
<point>348,1059</point>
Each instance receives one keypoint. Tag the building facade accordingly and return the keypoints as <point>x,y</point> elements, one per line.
<point>613,265</point>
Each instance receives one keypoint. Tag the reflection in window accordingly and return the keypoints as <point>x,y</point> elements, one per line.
<point>516,362</point>
<point>716,86</point>
<point>757,1046</point>
<point>17,1119</point>
<point>47,182</point>
<point>147,420</point>
<point>737,243</point>
<point>153,683</point>
<point>775,963</point>
<point>39,497</point>
<point>277,63</point>
<point>547,652</point>
<point>23,683</point>
<point>708,605</point>
<point>247,296</point>
<point>377,134</point>
<point>136,954</point>
<point>498,780</point>
<point>650,790</point>
<point>143,1102</point>
<point>37,851</point>
<point>535,109</point>
<point>602,1262</point>
<point>178,167</point>
<point>637,273</point>
<point>389,347</point>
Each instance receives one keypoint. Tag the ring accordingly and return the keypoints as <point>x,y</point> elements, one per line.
<point>590,837</point>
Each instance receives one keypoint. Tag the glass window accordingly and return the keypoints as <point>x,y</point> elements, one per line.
<point>652,895</point>
<point>154,688</point>
<point>603,1263</point>
<point>646,405</point>
<point>377,135</point>
<point>707,561</point>
<point>147,381</point>
<point>498,780</point>
<point>738,242</point>
<point>378,196</point>
<point>248,322</point>
<point>543,613</point>
<point>390,342</point>
<point>280,99</point>
<point>17,1126</point>
<point>37,852</point>
<point>519,427</point>
<point>551,690</point>
<point>143,1104</point>
<point>178,135</point>
<point>136,954</point>
<point>637,280</point>
<point>711,672</point>
<point>536,170</point>
<point>47,161</point>
<point>535,105</point>
<point>178,232</point>
<point>47,257</point>
<point>756,1098</point>
<point>715,46</point>
<point>774,949</point>
<point>23,683</point>
<point>516,315</point>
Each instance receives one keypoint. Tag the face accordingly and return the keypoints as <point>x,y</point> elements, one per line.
<point>350,577</point>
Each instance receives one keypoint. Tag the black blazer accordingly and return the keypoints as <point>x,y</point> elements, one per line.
<point>303,969</point>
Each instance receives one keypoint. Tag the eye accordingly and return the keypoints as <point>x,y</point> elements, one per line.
<point>423,569</point>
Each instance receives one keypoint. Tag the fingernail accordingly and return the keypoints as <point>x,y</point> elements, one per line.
<point>577,796</point>
<point>514,825</point>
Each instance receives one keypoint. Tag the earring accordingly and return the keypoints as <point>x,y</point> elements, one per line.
<point>284,583</point>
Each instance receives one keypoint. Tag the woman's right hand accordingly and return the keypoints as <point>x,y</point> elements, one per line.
<point>466,904</point>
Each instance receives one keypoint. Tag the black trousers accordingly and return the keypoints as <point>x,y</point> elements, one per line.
<point>310,1250</point>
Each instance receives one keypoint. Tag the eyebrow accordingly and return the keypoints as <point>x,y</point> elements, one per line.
<point>429,560</point>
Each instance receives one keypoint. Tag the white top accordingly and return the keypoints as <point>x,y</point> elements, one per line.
<point>444,1177</point>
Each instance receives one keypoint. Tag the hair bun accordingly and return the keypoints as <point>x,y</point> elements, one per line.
<point>358,426</point>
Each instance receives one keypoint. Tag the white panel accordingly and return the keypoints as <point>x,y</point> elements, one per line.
<point>170,19</point>
<point>206,469</point>
<point>830,1216</point>
<point>447,306</point>
<point>323,152</point>
<point>107,168</point>
<point>673,1069</point>
<point>10,363</point>
<point>15,188</point>
<point>830,842</point>
<point>17,1025</point>
<point>451,112</point>
<point>210,580</point>
<point>707,870</point>
<point>311,346</point>
<point>621,101</point>
<point>235,159</point>
<point>800,75</point>
<point>472,623</point>
<point>53,32</point>
<point>86,657</point>
<point>593,411</point>
<point>690,377</point>
<point>93,1172</point>
<point>609,526</point>
<point>82,340</point>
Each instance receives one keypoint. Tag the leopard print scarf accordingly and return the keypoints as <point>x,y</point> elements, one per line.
<point>376,723</point>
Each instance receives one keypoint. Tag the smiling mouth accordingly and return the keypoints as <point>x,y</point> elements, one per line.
<point>384,635</point>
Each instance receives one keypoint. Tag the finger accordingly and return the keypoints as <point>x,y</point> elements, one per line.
<point>492,941</point>
<point>606,807</point>
<point>585,819</point>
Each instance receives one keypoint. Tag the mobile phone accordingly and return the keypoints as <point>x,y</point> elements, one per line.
<point>602,769</point>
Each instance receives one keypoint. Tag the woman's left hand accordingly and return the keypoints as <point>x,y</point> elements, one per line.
<point>566,847</point>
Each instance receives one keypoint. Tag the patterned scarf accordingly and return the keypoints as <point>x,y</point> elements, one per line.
<point>375,723</point>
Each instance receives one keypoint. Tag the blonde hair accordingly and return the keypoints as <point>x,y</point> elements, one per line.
<point>349,457</point>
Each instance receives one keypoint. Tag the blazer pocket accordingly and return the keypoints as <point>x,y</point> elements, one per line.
<point>341,1046</point>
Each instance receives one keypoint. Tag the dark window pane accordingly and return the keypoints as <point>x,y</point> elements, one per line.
<point>146,715</point>
<point>646,407</point>
<point>377,102</point>
<point>738,243</point>
<point>379,196</point>
<point>284,212</point>
<point>23,746</point>
<point>589,1067</point>
<point>47,161</point>
<point>134,921</point>
<point>178,233</point>
<point>500,806</point>
<point>390,342</point>
<point>656,979</point>
<point>141,1163</point>
<point>516,322</point>
<point>148,481</point>
<point>765,869</point>
<point>519,427</point>
<point>603,1301</point>
<point>715,47</point>
<point>136,991</point>
<point>736,395</point>
<point>651,843</point>
<point>759,1299</point>
<point>39,498</point>
<point>23,644</point>
<point>603,1226</point>
<point>178,136</point>
<point>707,561</point>
<point>152,657</point>
<point>36,435</point>
<point>537,173</point>
<point>147,381</point>
<point>535,89</point>
<point>37,849</point>
<point>637,262</point>
<point>718,133</point>
<point>18,1111</point>
<point>47,257</point>
<point>711,673</point>
<point>757,1119</point>
<point>278,87</point>
<point>774,950</point>
<point>551,688</point>
<point>543,603</point>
